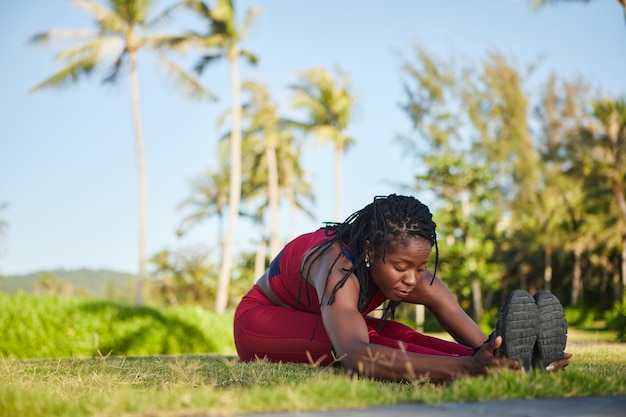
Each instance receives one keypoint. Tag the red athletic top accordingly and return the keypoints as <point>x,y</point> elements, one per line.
<point>287,283</point>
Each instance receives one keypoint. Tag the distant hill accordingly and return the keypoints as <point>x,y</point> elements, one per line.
<point>99,283</point>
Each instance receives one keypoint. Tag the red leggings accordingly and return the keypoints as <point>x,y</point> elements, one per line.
<point>281,334</point>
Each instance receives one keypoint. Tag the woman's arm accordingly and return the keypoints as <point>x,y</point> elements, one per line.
<point>348,333</point>
<point>440,301</point>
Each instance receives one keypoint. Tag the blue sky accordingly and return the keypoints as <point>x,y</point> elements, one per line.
<point>67,158</point>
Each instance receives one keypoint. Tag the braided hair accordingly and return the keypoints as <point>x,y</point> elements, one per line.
<point>386,220</point>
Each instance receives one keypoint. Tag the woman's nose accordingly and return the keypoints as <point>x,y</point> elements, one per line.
<point>410,278</point>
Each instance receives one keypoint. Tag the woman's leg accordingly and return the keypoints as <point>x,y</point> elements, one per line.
<point>264,330</point>
<point>397,335</point>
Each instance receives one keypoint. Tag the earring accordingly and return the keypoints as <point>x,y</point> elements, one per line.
<point>367,263</point>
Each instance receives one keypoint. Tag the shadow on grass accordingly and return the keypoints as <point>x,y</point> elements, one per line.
<point>126,330</point>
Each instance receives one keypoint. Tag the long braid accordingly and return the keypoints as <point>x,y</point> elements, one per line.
<point>392,218</point>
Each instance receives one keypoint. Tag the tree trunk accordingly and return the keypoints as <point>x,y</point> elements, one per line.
<point>547,271</point>
<point>420,317</point>
<point>577,279</point>
<point>477,299</point>
<point>234,197</point>
<point>612,266</point>
<point>293,208</point>
<point>259,260</point>
<point>622,290</point>
<point>272,175</point>
<point>338,182</point>
<point>141,176</point>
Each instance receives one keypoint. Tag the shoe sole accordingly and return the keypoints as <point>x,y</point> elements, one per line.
<point>518,324</point>
<point>552,336</point>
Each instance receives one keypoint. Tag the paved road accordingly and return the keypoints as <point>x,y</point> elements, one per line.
<point>568,407</point>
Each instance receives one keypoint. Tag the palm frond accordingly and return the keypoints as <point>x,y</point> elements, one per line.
<point>94,9</point>
<point>176,43</point>
<point>167,13</point>
<point>91,48</point>
<point>197,6</point>
<point>252,59</point>
<point>114,71</point>
<point>187,81</point>
<point>247,22</point>
<point>43,38</point>
<point>107,19</point>
<point>132,12</point>
<point>206,60</point>
<point>68,74</point>
<point>223,17</point>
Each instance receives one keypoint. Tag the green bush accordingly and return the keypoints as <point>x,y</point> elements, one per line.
<point>583,317</point>
<point>43,327</point>
<point>616,320</point>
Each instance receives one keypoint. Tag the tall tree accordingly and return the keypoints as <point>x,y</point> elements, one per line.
<point>498,109</point>
<point>328,103</point>
<point>433,100</point>
<point>609,158</point>
<point>264,128</point>
<point>294,184</point>
<point>222,40</point>
<point>562,110</point>
<point>121,31</point>
<point>268,144</point>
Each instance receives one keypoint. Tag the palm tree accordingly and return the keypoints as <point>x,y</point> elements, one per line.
<point>561,113</point>
<point>264,129</point>
<point>329,104</point>
<point>609,158</point>
<point>209,197</point>
<point>294,183</point>
<point>222,41</point>
<point>121,31</point>
<point>270,153</point>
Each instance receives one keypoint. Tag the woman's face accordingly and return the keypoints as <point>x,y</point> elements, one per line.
<point>404,264</point>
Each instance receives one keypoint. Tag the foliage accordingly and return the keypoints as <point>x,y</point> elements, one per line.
<point>184,277</point>
<point>616,320</point>
<point>529,188</point>
<point>328,103</point>
<point>467,189</point>
<point>44,327</point>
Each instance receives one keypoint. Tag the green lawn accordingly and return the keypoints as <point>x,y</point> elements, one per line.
<point>214,384</point>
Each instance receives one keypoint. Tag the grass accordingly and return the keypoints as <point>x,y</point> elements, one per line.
<point>220,385</point>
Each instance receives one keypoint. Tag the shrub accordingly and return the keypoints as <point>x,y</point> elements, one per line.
<point>616,320</point>
<point>38,327</point>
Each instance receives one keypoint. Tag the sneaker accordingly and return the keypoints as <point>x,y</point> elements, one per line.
<point>552,336</point>
<point>518,324</point>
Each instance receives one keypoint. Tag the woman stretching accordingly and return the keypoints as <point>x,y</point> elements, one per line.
<point>312,304</point>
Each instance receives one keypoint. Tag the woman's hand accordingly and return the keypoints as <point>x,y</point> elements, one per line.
<point>487,349</point>
<point>484,358</point>
<point>561,363</point>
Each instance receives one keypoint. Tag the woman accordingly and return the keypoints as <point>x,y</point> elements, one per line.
<point>311,305</point>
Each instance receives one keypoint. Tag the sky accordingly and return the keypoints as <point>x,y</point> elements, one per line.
<point>67,159</point>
